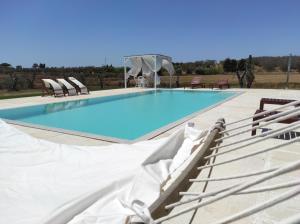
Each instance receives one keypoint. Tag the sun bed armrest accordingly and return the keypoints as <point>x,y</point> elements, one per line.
<point>273,101</point>
<point>286,121</point>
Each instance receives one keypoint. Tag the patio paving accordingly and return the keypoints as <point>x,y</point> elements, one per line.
<point>239,107</point>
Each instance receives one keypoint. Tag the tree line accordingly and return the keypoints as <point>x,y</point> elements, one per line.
<point>26,77</point>
<point>15,78</point>
<point>266,63</point>
<point>212,67</point>
<point>201,67</point>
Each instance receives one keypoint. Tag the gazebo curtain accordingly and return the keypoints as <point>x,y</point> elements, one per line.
<point>136,63</point>
<point>146,64</point>
<point>168,66</point>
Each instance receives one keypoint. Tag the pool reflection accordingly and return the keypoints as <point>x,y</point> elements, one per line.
<point>55,107</point>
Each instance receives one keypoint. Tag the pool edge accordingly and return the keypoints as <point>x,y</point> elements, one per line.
<point>147,136</point>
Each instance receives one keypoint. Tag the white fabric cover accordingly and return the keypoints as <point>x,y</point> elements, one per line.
<point>149,64</point>
<point>71,90</point>
<point>136,63</point>
<point>48,183</point>
<point>192,138</point>
<point>166,64</point>
<point>161,62</point>
<point>146,64</point>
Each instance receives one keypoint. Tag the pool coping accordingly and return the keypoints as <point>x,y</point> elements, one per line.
<point>147,136</point>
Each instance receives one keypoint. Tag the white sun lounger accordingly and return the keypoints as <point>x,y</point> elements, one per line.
<point>70,89</point>
<point>80,87</point>
<point>52,88</point>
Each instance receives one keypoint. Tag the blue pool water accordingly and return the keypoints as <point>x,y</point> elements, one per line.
<point>127,116</point>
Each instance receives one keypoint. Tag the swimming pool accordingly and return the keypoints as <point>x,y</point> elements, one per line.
<point>118,118</point>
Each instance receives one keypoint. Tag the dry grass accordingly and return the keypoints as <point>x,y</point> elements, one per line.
<point>262,79</point>
<point>4,94</point>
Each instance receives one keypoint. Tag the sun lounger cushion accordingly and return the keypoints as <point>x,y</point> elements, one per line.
<point>71,90</point>
<point>56,87</point>
<point>83,88</point>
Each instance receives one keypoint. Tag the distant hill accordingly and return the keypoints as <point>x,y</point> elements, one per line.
<point>271,63</point>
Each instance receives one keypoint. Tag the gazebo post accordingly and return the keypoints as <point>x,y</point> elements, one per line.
<point>125,80</point>
<point>155,74</point>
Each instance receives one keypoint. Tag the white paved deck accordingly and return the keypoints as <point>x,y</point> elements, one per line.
<point>239,107</point>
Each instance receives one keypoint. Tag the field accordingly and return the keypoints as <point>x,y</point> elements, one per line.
<point>262,80</point>
<point>4,94</point>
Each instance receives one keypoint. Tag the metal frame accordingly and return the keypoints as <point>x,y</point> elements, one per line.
<point>241,188</point>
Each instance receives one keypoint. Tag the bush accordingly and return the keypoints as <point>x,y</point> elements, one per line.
<point>229,65</point>
<point>209,70</point>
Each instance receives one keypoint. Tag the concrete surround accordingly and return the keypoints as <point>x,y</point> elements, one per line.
<point>233,109</point>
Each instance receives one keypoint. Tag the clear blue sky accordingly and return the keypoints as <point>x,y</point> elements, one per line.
<point>83,32</point>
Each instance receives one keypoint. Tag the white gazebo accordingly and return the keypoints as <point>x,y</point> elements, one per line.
<point>148,64</point>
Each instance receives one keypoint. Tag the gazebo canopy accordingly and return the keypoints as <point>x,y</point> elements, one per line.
<point>148,64</point>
